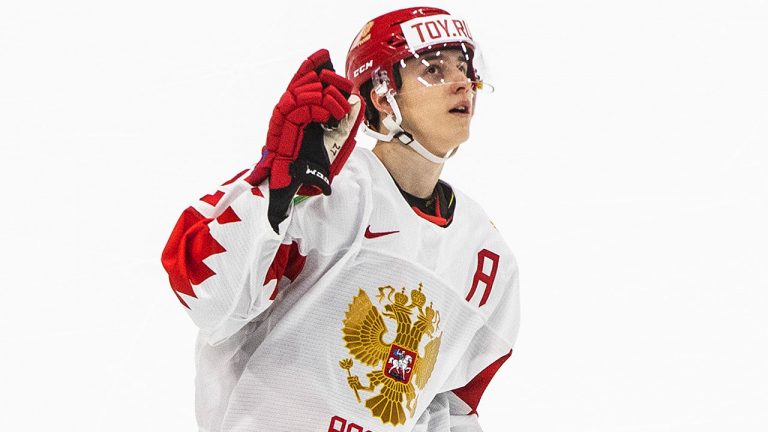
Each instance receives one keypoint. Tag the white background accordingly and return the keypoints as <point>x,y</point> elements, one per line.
<point>624,157</point>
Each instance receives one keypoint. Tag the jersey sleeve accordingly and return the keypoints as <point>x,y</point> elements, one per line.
<point>456,410</point>
<point>222,256</point>
<point>447,412</point>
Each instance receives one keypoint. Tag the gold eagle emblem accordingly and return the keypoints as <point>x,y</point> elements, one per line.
<point>397,365</point>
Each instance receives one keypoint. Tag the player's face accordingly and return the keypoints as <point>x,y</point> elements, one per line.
<point>436,99</point>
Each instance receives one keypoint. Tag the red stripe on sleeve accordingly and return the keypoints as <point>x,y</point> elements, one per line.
<point>473,391</point>
<point>288,262</point>
<point>233,179</point>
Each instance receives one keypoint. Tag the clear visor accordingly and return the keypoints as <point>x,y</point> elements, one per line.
<point>451,65</point>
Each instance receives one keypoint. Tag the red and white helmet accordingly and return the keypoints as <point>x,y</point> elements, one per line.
<point>401,34</point>
<point>390,39</point>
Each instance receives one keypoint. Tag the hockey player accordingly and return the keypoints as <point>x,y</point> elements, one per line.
<point>352,290</point>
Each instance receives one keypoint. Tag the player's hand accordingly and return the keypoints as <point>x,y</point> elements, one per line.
<point>311,135</point>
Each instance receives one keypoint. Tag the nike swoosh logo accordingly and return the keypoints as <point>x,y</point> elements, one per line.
<point>370,234</point>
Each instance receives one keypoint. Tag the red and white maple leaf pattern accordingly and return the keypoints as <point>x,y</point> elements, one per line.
<point>288,262</point>
<point>190,243</point>
<point>204,230</point>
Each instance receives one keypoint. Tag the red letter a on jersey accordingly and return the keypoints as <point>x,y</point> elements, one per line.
<point>487,279</point>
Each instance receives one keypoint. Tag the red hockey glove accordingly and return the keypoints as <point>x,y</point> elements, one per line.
<point>310,136</point>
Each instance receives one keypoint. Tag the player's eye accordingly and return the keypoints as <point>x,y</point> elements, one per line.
<point>432,69</point>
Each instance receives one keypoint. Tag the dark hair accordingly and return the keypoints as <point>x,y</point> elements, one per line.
<point>372,115</point>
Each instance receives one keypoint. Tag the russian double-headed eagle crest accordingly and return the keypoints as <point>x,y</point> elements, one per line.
<point>397,366</point>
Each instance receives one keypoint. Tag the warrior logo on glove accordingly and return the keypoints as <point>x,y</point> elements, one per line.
<point>311,135</point>
<point>398,364</point>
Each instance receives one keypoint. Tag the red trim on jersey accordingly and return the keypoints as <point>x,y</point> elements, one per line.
<point>233,179</point>
<point>190,243</point>
<point>437,220</point>
<point>213,199</point>
<point>288,262</point>
<point>228,216</point>
<point>256,191</point>
<point>473,391</point>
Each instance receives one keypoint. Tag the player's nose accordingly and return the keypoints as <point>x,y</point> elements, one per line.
<point>459,83</point>
<point>457,80</point>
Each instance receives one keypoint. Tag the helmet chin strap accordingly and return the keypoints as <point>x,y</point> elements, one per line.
<point>392,123</point>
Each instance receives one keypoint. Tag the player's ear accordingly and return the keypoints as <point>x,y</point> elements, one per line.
<point>380,103</point>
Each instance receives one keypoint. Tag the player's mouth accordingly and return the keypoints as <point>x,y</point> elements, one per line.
<point>463,109</point>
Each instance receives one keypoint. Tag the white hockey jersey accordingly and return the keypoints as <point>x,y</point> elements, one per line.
<point>360,316</point>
